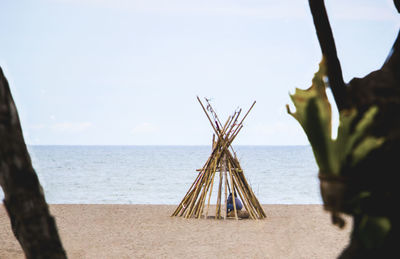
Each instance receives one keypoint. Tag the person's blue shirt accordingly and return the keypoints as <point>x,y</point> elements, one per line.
<point>239,205</point>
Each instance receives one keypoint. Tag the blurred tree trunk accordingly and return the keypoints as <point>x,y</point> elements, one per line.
<point>377,174</point>
<point>31,222</point>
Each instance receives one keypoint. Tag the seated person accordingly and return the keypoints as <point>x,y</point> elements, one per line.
<point>229,202</point>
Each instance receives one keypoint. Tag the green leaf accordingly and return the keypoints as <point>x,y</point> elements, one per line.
<point>342,145</point>
<point>365,122</point>
<point>373,231</point>
<point>313,112</point>
<point>365,146</point>
<point>320,142</point>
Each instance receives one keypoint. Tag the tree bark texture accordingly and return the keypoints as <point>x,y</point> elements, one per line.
<point>378,173</point>
<point>24,200</point>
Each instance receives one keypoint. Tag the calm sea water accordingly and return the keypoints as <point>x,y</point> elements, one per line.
<point>163,174</point>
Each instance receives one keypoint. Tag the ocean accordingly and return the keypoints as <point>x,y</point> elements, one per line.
<point>163,174</point>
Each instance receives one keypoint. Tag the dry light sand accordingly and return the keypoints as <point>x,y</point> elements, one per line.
<point>147,231</point>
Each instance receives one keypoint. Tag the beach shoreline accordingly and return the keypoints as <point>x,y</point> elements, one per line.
<point>148,231</point>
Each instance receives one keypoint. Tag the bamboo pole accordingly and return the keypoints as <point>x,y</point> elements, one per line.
<point>250,206</point>
<point>193,202</point>
<point>190,193</point>
<point>218,208</point>
<point>213,142</point>
<point>212,124</point>
<point>240,125</point>
<point>191,211</point>
<point>229,187</point>
<point>232,121</point>
<point>235,119</point>
<point>202,198</point>
<point>243,199</point>
<point>224,175</point>
<point>209,196</point>
<point>233,190</point>
<point>205,190</point>
<point>199,179</point>
<point>213,112</point>
<point>198,205</point>
<point>210,173</point>
<point>193,199</point>
<point>205,111</point>
<point>247,194</point>
<point>247,113</point>
<point>253,205</point>
<point>234,134</point>
<point>182,206</point>
<point>194,184</point>
<point>246,201</point>
<point>196,201</point>
<point>256,202</point>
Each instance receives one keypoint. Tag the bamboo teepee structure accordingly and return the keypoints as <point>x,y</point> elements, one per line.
<point>222,160</point>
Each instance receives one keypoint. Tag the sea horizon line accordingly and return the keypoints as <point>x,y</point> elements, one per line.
<point>158,145</point>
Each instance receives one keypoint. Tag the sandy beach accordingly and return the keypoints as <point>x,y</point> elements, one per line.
<point>148,231</point>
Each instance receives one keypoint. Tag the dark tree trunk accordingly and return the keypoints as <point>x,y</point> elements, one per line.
<point>378,173</point>
<point>328,48</point>
<point>31,222</point>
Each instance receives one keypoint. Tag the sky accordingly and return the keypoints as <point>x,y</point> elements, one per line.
<point>127,72</point>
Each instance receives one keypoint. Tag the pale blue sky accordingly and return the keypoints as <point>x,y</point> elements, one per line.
<point>125,72</point>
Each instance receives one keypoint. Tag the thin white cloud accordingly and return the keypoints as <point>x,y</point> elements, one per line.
<point>272,129</point>
<point>64,127</point>
<point>38,126</point>
<point>272,9</point>
<point>71,127</point>
<point>286,132</point>
<point>144,128</point>
<point>347,10</point>
<point>269,9</point>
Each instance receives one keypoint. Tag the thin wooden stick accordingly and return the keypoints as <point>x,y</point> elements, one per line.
<point>213,112</point>
<point>196,207</point>
<point>233,124</point>
<point>255,200</point>
<point>193,199</point>
<point>204,194</point>
<point>213,142</point>
<point>233,190</point>
<point>247,191</point>
<point>245,202</point>
<point>194,184</point>
<point>328,48</point>
<point>212,184</point>
<point>205,111</point>
<point>218,209</point>
<point>190,191</point>
<point>209,119</point>
<point>246,198</point>
<point>247,113</point>
<point>234,135</point>
<point>226,180</point>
